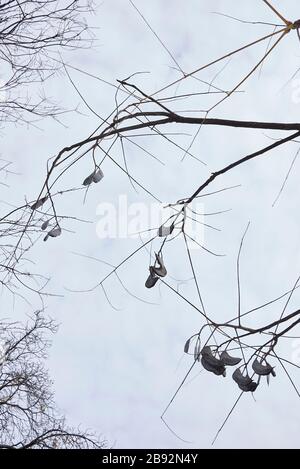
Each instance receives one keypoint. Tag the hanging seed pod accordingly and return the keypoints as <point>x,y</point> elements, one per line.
<point>152,279</point>
<point>229,360</point>
<point>88,180</point>
<point>53,233</point>
<point>210,358</point>
<point>165,230</point>
<point>98,175</point>
<point>45,225</point>
<point>211,363</point>
<point>161,270</point>
<point>245,383</point>
<point>262,370</point>
<point>39,203</point>
<point>216,369</point>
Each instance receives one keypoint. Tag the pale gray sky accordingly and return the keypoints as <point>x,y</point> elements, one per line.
<point>115,370</point>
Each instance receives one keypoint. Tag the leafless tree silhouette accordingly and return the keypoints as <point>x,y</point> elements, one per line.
<point>28,416</point>
<point>32,33</point>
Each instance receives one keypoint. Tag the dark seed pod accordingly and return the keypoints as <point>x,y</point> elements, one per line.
<point>262,370</point>
<point>96,176</point>
<point>152,279</point>
<point>88,180</point>
<point>53,233</point>
<point>214,368</point>
<point>245,383</point>
<point>39,203</point>
<point>165,230</point>
<point>45,225</point>
<point>211,363</point>
<point>228,360</point>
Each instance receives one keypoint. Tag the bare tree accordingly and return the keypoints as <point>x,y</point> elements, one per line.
<point>28,415</point>
<point>32,34</point>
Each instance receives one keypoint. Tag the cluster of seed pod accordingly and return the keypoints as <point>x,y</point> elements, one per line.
<point>95,177</point>
<point>218,366</point>
<point>54,232</point>
<point>156,271</point>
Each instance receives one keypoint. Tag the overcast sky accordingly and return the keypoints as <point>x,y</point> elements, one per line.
<point>116,368</point>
